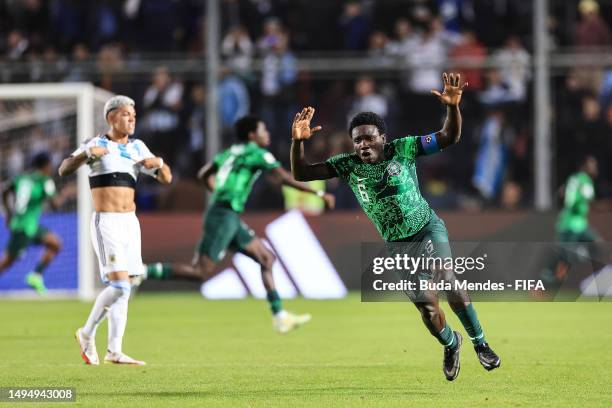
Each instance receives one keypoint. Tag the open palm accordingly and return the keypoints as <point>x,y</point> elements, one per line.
<point>301,130</point>
<point>451,95</point>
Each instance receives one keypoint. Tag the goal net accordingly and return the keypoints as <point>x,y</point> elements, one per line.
<point>54,119</point>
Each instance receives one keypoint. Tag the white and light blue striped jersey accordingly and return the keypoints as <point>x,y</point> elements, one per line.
<point>121,158</point>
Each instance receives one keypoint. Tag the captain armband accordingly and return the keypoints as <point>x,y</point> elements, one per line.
<point>429,144</point>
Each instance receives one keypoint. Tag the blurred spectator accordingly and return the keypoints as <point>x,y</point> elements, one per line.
<point>234,102</point>
<point>278,77</point>
<point>77,72</point>
<point>17,45</point>
<point>605,95</point>
<point>366,99</point>
<point>491,156</point>
<point>498,90</point>
<point>237,49</point>
<point>110,63</point>
<point>272,35</point>
<point>470,49</point>
<point>405,39</point>
<point>514,61</point>
<point>105,18</point>
<point>162,102</point>
<point>68,20</point>
<point>426,60</point>
<point>453,12</point>
<point>355,25</point>
<point>378,50</point>
<point>591,30</point>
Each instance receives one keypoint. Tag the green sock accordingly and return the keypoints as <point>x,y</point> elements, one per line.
<point>446,337</point>
<point>470,322</point>
<point>159,271</point>
<point>275,301</point>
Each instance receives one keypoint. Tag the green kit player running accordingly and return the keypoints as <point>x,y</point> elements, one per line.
<point>30,191</point>
<point>573,222</point>
<point>383,177</point>
<point>230,177</point>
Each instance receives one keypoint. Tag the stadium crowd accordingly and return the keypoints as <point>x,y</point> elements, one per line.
<point>404,45</point>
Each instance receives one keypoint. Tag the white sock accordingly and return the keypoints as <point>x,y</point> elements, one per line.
<point>103,302</point>
<point>117,320</point>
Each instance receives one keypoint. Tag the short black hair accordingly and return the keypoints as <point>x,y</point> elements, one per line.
<point>246,125</point>
<point>368,118</point>
<point>41,160</point>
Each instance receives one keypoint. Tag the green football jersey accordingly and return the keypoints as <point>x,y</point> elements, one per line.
<point>31,191</point>
<point>388,191</point>
<point>237,169</point>
<point>579,192</point>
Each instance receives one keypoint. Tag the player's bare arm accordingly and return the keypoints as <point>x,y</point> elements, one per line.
<point>300,131</point>
<point>68,192</point>
<point>206,175</point>
<point>71,164</point>
<point>288,180</point>
<point>164,174</point>
<point>450,96</point>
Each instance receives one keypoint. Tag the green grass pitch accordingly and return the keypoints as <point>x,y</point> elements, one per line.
<point>224,353</point>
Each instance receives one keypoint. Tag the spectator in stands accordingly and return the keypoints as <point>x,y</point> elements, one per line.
<point>237,49</point>
<point>472,50</point>
<point>162,102</point>
<point>355,25</point>
<point>498,91</point>
<point>277,84</point>
<point>425,61</point>
<point>234,103</point>
<point>491,157</point>
<point>76,71</point>
<point>367,99</point>
<point>591,30</point>
<point>405,39</point>
<point>514,61</point>
<point>378,50</point>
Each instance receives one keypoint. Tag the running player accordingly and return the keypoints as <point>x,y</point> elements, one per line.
<point>230,177</point>
<point>573,222</point>
<point>383,177</point>
<point>30,191</point>
<point>115,161</point>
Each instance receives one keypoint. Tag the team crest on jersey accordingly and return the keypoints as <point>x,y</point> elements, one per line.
<point>394,168</point>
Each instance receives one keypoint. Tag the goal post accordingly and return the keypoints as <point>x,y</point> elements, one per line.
<point>76,109</point>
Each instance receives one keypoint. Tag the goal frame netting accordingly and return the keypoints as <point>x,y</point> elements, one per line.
<point>85,95</point>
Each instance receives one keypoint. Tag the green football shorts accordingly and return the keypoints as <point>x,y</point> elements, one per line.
<point>19,241</point>
<point>223,229</point>
<point>430,242</point>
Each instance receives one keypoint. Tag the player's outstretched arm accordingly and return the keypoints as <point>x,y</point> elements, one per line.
<point>300,131</point>
<point>450,96</point>
<point>206,175</point>
<point>72,163</point>
<point>288,180</point>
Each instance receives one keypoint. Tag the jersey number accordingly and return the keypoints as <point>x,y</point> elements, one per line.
<point>362,190</point>
<point>22,198</point>
<point>225,170</point>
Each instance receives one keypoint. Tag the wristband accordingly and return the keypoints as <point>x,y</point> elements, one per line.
<point>321,193</point>
<point>161,163</point>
